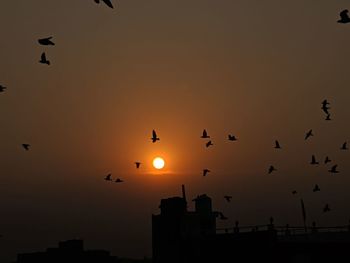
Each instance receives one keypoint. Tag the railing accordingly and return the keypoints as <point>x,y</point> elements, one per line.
<point>284,230</point>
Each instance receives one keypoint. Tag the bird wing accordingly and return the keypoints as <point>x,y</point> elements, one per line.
<point>205,133</point>
<point>108,2</point>
<point>43,56</point>
<point>154,134</point>
<point>277,144</point>
<point>344,14</point>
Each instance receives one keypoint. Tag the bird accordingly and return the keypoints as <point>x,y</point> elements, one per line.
<point>154,136</point>
<point>137,165</point>
<point>26,146</point>
<point>271,169</point>
<point>333,169</point>
<point>107,2</point>
<point>228,198</point>
<point>344,18</point>
<point>313,160</point>
<point>118,180</point>
<point>277,145</point>
<point>205,172</point>
<point>344,146</point>
<point>294,192</point>
<point>108,177</point>
<point>326,208</point>
<point>325,108</point>
<point>308,134</point>
<point>209,143</point>
<point>327,160</point>
<point>43,59</point>
<point>46,41</point>
<point>316,188</point>
<point>222,217</point>
<point>205,134</point>
<point>2,88</point>
<point>328,118</point>
<point>232,138</point>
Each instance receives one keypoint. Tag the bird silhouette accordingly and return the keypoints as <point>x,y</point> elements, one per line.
<point>344,18</point>
<point>205,172</point>
<point>2,88</point>
<point>344,146</point>
<point>308,134</point>
<point>46,41</point>
<point>327,160</point>
<point>325,103</point>
<point>316,188</point>
<point>325,108</point>
<point>107,2</point>
<point>334,169</point>
<point>228,198</point>
<point>137,165</point>
<point>328,118</point>
<point>313,160</point>
<point>205,134</point>
<point>154,136</point>
<point>222,217</point>
<point>326,208</point>
<point>209,143</point>
<point>108,177</point>
<point>232,138</point>
<point>294,192</point>
<point>26,146</point>
<point>118,180</point>
<point>43,59</point>
<point>272,169</point>
<point>277,145</point>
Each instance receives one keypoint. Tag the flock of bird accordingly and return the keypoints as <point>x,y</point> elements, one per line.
<point>344,19</point>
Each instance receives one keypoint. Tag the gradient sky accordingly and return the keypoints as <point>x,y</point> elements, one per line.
<point>256,69</point>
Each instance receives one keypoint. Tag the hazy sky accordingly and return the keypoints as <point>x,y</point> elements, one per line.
<point>256,69</point>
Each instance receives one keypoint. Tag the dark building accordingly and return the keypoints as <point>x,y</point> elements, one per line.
<point>68,251</point>
<point>181,236</point>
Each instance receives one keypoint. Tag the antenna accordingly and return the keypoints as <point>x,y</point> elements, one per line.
<point>184,193</point>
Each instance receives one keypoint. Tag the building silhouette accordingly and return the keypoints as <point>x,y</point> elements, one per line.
<point>181,236</point>
<point>68,251</point>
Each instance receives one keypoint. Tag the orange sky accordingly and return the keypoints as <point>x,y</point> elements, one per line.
<point>256,69</point>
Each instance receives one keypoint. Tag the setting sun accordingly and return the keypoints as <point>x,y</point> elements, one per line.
<point>158,163</point>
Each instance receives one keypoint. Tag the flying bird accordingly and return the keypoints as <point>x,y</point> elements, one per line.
<point>272,169</point>
<point>26,146</point>
<point>308,134</point>
<point>43,59</point>
<point>325,109</point>
<point>2,88</point>
<point>316,188</point>
<point>209,143</point>
<point>108,177</point>
<point>205,134</point>
<point>333,169</point>
<point>326,208</point>
<point>222,217</point>
<point>137,165</point>
<point>154,136</point>
<point>46,41</point>
<point>228,198</point>
<point>344,146</point>
<point>344,18</point>
<point>232,138</point>
<point>107,2</point>
<point>313,160</point>
<point>327,160</point>
<point>277,145</point>
<point>118,180</point>
<point>205,172</point>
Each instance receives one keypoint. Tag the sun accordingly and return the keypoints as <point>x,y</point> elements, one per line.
<point>158,163</point>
